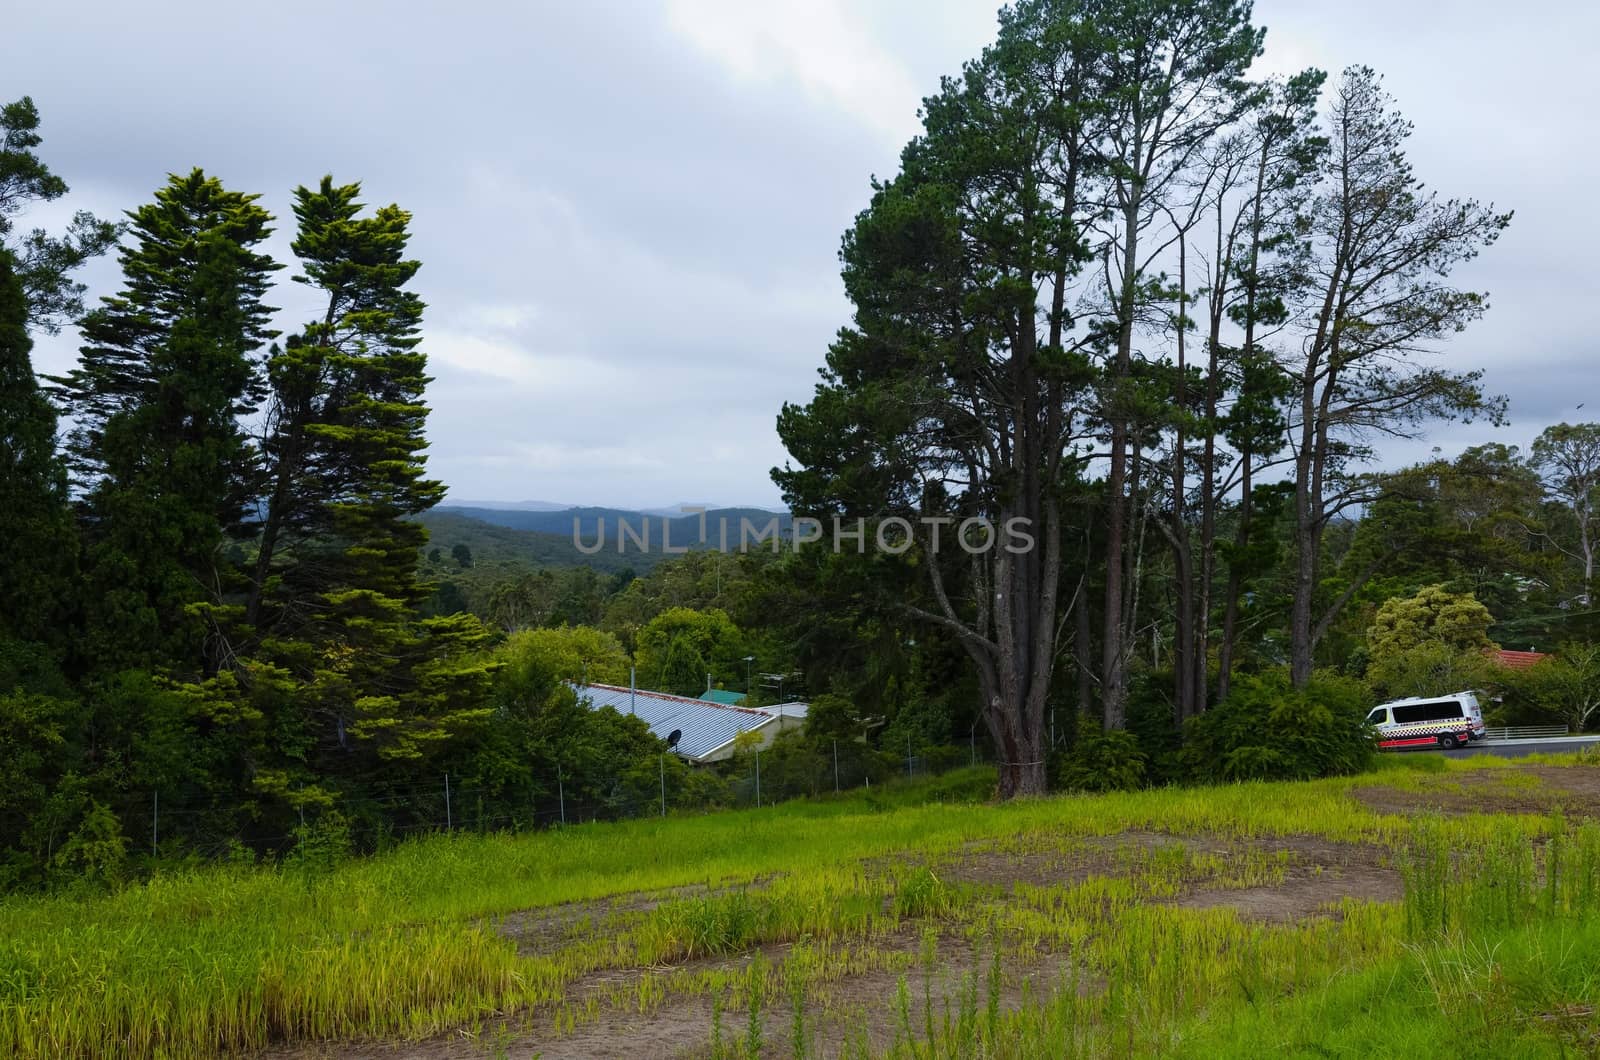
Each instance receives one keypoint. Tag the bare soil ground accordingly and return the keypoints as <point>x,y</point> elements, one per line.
<point>1317,875</point>
<point>1310,877</point>
<point>1575,790</point>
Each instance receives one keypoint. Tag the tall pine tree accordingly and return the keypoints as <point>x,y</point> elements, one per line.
<point>336,591</point>
<point>168,368</point>
<point>40,546</point>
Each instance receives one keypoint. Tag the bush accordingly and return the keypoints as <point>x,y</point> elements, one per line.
<point>1152,721</point>
<point>97,852</point>
<point>1432,668</point>
<point>1268,730</point>
<point>1102,761</point>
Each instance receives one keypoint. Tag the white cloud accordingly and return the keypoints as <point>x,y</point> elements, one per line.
<point>823,45</point>
<point>505,360</point>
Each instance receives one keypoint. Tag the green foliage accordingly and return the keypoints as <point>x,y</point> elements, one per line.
<point>1433,614</point>
<point>1429,643</point>
<point>1431,668</point>
<point>97,852</point>
<point>1103,761</point>
<point>1268,730</point>
<point>37,586</point>
<point>679,649</point>
<point>1563,689</point>
<point>43,263</point>
<point>832,717</point>
<point>322,844</point>
<point>158,443</point>
<point>535,660</point>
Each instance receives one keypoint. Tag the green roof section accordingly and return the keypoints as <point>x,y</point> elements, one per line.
<point>723,696</point>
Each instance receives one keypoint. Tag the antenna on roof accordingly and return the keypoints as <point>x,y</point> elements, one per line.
<point>631,684</point>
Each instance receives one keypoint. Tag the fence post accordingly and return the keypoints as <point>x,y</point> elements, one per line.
<point>836,767</point>
<point>972,737</point>
<point>561,793</point>
<point>910,765</point>
<point>448,824</point>
<point>155,823</point>
<point>758,779</point>
<point>663,785</point>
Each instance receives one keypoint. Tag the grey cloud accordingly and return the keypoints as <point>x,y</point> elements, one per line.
<point>630,251</point>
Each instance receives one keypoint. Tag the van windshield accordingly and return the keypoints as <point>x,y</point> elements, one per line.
<point>1376,717</point>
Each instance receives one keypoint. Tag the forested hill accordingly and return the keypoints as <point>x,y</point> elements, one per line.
<point>492,544</point>
<point>684,529</point>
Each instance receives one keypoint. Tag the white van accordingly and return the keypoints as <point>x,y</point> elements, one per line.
<point>1432,721</point>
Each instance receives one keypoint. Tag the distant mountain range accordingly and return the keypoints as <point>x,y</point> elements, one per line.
<point>681,529</point>
<point>520,506</point>
<point>543,537</point>
<point>671,511</point>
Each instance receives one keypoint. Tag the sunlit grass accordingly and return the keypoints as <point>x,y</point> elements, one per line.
<point>406,944</point>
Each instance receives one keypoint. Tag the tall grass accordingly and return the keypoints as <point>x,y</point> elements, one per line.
<point>225,959</point>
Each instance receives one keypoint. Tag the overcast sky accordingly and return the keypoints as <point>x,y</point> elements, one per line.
<point>629,213</point>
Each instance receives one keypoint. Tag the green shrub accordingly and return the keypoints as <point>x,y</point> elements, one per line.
<point>322,844</point>
<point>1268,730</point>
<point>97,852</point>
<point>1152,721</point>
<point>1102,761</point>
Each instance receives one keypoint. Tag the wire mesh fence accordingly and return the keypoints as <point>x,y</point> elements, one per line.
<point>185,824</point>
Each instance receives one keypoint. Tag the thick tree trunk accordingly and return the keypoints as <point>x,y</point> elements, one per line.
<point>1114,669</point>
<point>1307,540</point>
<point>1183,636</point>
<point>1230,613</point>
<point>1082,634</point>
<point>1113,703</point>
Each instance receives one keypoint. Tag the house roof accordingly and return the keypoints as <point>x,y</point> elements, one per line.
<point>703,726</point>
<point>724,696</point>
<point>1517,660</point>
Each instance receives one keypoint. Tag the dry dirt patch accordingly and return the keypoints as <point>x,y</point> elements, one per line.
<point>1316,875</point>
<point>1319,874</point>
<point>1575,790</point>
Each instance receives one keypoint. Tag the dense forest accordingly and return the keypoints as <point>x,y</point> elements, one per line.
<point>1165,314</point>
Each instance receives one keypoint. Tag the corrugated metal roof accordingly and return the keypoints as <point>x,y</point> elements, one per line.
<point>795,709</point>
<point>704,726</point>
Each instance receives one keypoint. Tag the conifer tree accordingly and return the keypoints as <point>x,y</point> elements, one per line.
<point>37,291</point>
<point>336,591</point>
<point>40,546</point>
<point>42,263</point>
<point>169,367</point>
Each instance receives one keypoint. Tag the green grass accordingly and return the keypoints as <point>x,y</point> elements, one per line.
<point>405,944</point>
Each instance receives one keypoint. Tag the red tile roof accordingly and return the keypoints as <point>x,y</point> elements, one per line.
<point>1517,660</point>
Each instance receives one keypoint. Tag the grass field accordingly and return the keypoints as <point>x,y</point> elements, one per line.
<point>1422,910</point>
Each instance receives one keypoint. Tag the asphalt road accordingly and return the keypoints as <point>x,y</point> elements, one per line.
<point>1519,748</point>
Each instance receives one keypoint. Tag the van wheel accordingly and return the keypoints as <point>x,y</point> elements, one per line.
<point>1449,742</point>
